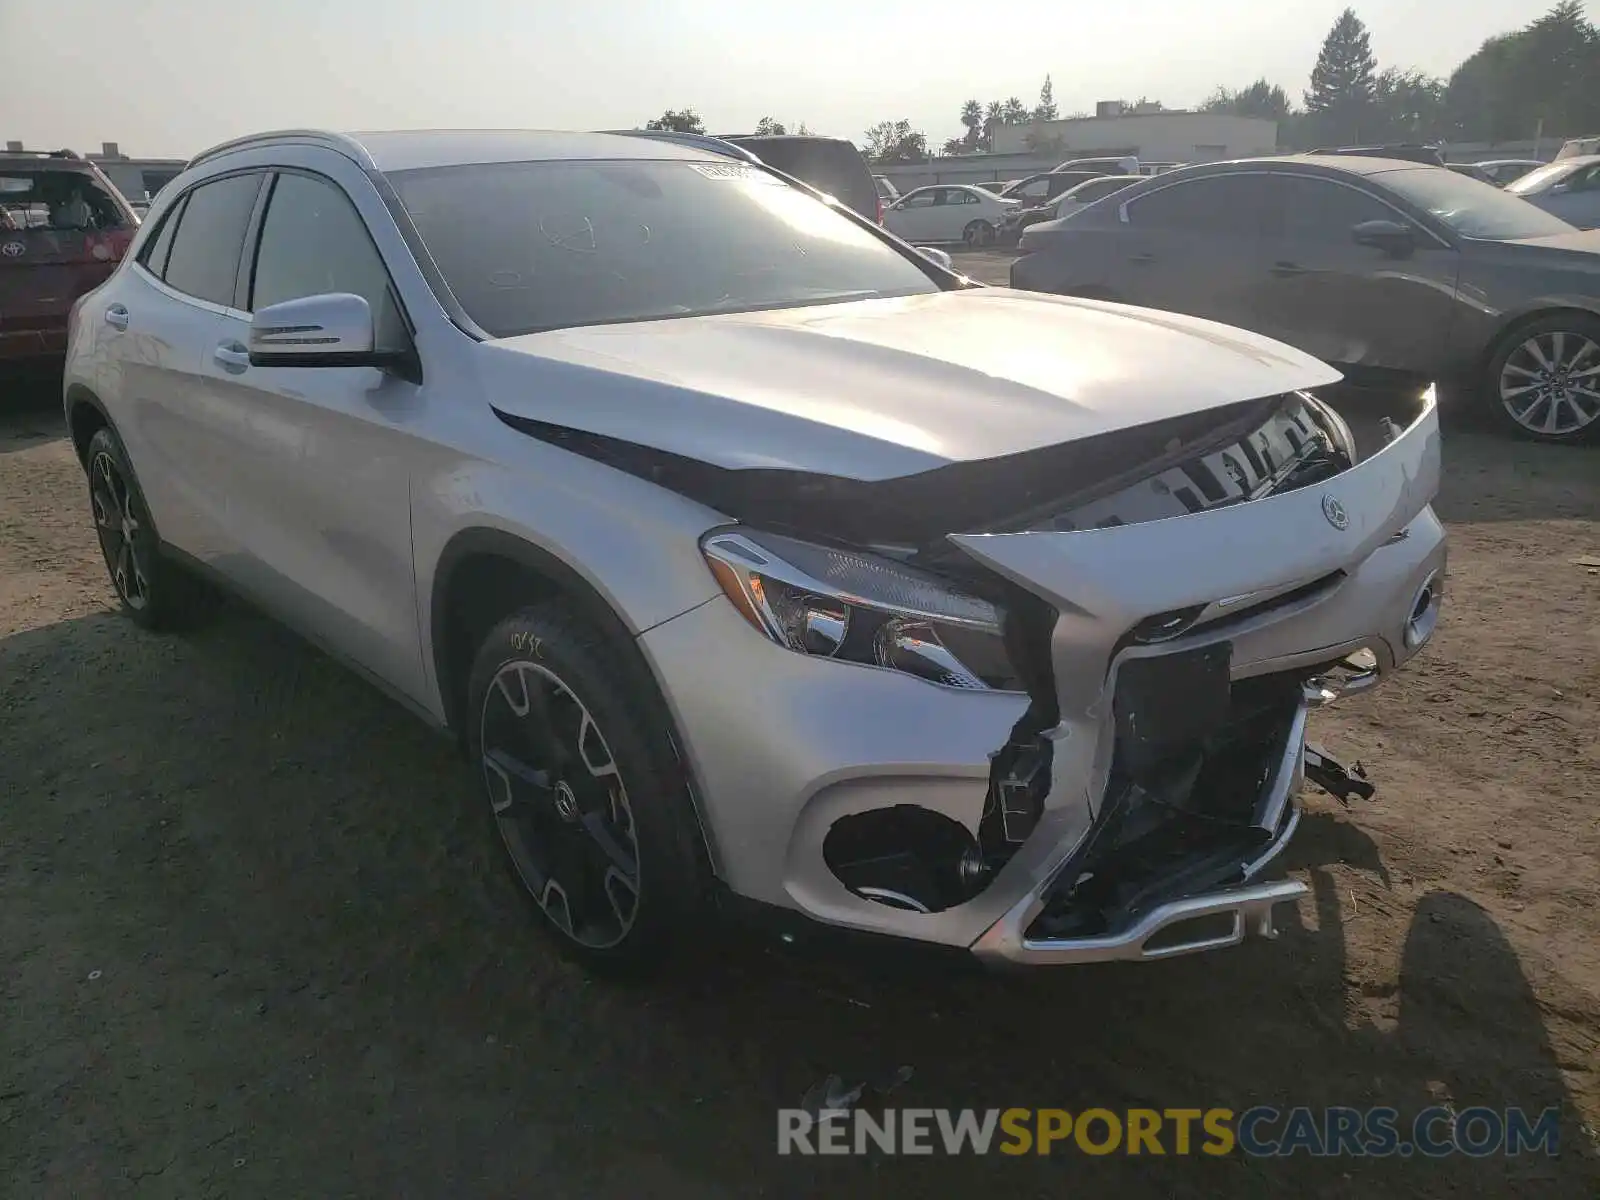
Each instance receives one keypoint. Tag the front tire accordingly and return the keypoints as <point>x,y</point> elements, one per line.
<point>978,233</point>
<point>1543,381</point>
<point>574,754</point>
<point>154,592</point>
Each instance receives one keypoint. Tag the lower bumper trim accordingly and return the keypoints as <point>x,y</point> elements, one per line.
<point>1250,910</point>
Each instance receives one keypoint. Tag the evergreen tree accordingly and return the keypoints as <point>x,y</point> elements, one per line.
<point>1344,80</point>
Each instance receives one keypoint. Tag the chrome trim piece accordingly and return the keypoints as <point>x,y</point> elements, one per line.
<point>1250,907</point>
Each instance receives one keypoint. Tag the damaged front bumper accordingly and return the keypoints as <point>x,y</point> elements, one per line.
<point>1300,596</point>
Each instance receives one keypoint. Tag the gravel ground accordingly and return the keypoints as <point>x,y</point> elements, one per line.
<point>253,941</point>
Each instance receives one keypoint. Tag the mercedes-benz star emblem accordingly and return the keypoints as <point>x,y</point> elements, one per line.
<point>1335,513</point>
<point>14,249</point>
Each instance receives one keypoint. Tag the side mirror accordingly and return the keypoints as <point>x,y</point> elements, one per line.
<point>333,330</point>
<point>1393,238</point>
<point>937,256</point>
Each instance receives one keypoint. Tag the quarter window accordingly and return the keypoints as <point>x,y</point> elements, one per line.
<point>313,242</point>
<point>1229,205</point>
<point>154,256</point>
<point>203,260</point>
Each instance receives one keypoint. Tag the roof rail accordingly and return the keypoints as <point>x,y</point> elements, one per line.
<point>344,144</point>
<point>72,154</point>
<point>699,141</point>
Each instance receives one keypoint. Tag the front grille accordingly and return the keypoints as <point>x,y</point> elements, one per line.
<point>1291,449</point>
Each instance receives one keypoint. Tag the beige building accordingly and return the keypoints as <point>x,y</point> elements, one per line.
<point>1164,136</point>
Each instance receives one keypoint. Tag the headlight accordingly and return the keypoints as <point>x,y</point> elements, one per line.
<point>1334,425</point>
<point>862,608</point>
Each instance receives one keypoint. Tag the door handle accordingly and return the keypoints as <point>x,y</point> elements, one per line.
<point>1142,260</point>
<point>117,316</point>
<point>1286,270</point>
<point>232,357</point>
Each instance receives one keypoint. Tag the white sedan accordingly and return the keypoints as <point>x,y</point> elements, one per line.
<point>1568,188</point>
<point>947,213</point>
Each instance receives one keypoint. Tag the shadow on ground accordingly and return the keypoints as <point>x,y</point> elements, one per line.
<point>255,942</point>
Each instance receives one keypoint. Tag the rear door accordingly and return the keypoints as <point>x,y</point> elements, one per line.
<point>1195,247</point>
<point>1348,303</point>
<point>159,320</point>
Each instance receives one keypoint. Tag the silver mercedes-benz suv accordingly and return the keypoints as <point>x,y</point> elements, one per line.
<point>749,553</point>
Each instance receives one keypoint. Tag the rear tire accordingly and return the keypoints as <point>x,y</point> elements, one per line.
<point>575,760</point>
<point>154,591</point>
<point>978,233</point>
<point>1543,380</point>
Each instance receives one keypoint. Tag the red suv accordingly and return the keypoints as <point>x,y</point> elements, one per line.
<point>63,228</point>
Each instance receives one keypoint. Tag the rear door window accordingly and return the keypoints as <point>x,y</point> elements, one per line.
<point>203,261</point>
<point>58,201</point>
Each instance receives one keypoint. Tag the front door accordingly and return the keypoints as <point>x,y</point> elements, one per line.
<point>317,470</point>
<point>1348,303</point>
<point>912,218</point>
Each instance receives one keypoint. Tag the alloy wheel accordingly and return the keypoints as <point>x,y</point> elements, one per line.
<point>119,525</point>
<point>560,804</point>
<point>1550,384</point>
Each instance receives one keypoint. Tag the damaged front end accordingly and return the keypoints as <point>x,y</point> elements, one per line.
<point>1163,609</point>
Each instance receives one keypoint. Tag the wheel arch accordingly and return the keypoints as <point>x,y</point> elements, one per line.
<point>86,415</point>
<point>1514,322</point>
<point>482,575</point>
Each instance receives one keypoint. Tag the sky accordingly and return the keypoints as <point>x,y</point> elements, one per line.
<point>167,78</point>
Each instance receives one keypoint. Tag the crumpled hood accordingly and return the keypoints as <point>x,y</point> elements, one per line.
<point>878,389</point>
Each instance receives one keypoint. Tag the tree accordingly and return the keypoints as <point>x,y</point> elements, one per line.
<point>1045,110</point>
<point>1541,73</point>
<point>954,146</point>
<point>896,142</point>
<point>1014,112</point>
<point>1260,99</point>
<point>1408,106</point>
<point>682,121</point>
<point>993,118</point>
<point>767,127</point>
<point>1342,82</point>
<point>972,118</point>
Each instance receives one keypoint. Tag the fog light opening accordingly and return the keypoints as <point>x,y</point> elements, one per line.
<point>1424,612</point>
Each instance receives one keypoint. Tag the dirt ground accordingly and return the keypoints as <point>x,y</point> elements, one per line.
<point>254,941</point>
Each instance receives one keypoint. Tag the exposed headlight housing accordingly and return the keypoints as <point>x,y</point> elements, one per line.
<point>1333,425</point>
<point>860,607</point>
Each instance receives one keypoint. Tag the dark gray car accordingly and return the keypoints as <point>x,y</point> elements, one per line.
<point>1376,265</point>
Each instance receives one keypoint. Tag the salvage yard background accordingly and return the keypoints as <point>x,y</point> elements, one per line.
<point>254,941</point>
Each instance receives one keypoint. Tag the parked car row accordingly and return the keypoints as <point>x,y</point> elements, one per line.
<point>1375,265</point>
<point>1037,592</point>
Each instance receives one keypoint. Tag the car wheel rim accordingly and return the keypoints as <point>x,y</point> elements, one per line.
<point>560,804</point>
<point>120,526</point>
<point>970,236</point>
<point>1550,384</point>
